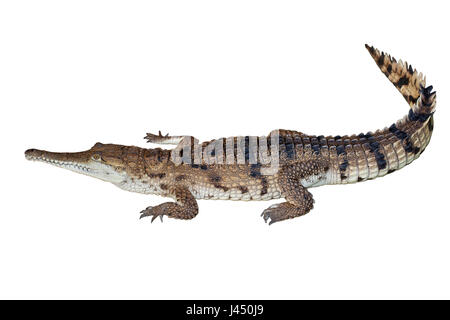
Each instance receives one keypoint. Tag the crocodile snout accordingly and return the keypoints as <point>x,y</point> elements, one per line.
<point>33,154</point>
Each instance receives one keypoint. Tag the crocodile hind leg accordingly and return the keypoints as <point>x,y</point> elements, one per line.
<point>299,200</point>
<point>185,206</point>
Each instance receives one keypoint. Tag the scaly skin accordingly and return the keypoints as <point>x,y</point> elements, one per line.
<point>304,161</point>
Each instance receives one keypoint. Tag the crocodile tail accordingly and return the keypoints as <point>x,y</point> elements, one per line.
<point>374,154</point>
<point>410,83</point>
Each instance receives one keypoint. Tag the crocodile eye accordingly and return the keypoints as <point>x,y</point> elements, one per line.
<point>96,157</point>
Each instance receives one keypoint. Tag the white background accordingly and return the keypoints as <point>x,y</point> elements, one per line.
<point>76,72</point>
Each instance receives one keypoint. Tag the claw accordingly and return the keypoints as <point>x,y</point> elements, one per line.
<point>150,137</point>
<point>265,215</point>
<point>150,212</point>
<point>145,212</point>
<point>160,134</point>
<point>269,215</point>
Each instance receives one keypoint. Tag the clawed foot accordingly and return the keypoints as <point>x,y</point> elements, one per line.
<point>155,138</point>
<point>272,213</point>
<point>153,211</point>
<point>163,139</point>
<point>281,211</point>
<point>185,206</point>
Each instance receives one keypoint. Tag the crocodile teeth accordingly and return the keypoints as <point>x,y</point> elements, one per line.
<point>65,164</point>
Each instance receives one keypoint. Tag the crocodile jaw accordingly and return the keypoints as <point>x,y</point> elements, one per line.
<point>79,162</point>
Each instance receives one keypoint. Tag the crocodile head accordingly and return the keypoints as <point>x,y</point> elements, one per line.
<point>102,161</point>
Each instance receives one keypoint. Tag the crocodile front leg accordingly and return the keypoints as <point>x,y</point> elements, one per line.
<point>160,139</point>
<point>184,207</point>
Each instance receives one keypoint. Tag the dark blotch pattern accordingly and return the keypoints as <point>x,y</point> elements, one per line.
<point>157,175</point>
<point>264,185</point>
<point>164,186</point>
<point>316,149</point>
<point>412,99</point>
<point>180,178</point>
<point>403,136</point>
<point>430,125</point>
<point>215,178</point>
<point>380,60</point>
<point>422,117</point>
<point>255,170</point>
<point>343,166</point>
<point>426,96</point>
<point>389,69</point>
<point>243,189</point>
<point>247,149</point>
<point>225,189</point>
<point>290,148</point>
<point>403,81</point>
<point>340,150</point>
<point>374,147</point>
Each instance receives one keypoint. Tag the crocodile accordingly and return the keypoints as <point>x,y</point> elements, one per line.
<point>284,164</point>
